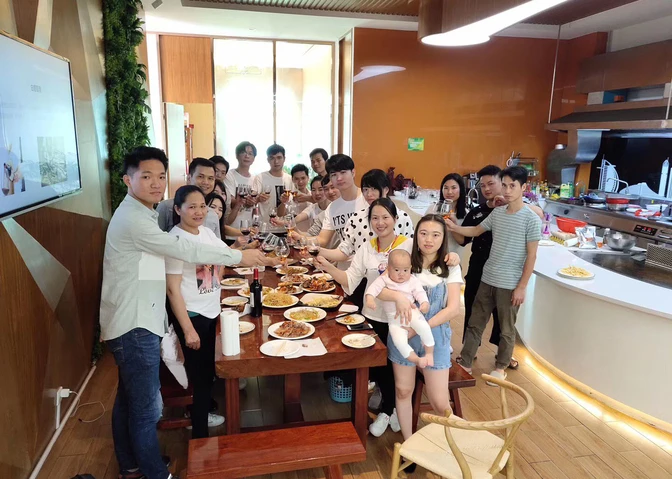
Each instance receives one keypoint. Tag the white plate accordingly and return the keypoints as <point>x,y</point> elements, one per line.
<point>321,314</point>
<point>358,319</point>
<point>234,300</point>
<point>294,301</point>
<point>300,270</point>
<point>238,285</point>
<point>245,327</point>
<point>246,311</point>
<point>564,275</point>
<point>313,296</point>
<point>244,271</point>
<point>264,291</point>
<point>296,289</point>
<point>285,279</point>
<point>546,243</point>
<point>358,340</point>
<point>279,348</point>
<point>331,288</point>
<point>274,326</point>
<point>326,276</point>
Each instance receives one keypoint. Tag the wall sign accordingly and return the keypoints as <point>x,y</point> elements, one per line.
<point>416,144</point>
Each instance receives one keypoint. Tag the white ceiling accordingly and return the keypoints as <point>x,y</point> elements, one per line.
<point>172,17</point>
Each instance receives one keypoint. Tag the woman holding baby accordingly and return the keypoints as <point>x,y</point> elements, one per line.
<point>370,262</point>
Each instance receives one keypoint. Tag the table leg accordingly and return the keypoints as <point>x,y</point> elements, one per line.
<point>232,394</point>
<point>333,472</point>
<point>457,405</point>
<point>292,408</point>
<point>360,402</point>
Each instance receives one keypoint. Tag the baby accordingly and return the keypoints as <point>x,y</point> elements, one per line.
<point>398,278</point>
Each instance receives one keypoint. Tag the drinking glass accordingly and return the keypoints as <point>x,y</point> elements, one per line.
<point>282,250</point>
<point>267,189</point>
<point>273,213</point>
<point>313,247</point>
<point>290,226</point>
<point>446,209</point>
<point>263,231</point>
<point>245,228</point>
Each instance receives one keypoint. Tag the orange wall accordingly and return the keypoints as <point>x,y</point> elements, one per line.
<point>473,105</point>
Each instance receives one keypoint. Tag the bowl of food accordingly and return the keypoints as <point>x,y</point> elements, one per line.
<point>279,300</point>
<point>294,278</point>
<point>317,285</point>
<point>291,330</point>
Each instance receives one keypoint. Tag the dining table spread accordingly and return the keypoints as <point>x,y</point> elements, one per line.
<point>252,362</point>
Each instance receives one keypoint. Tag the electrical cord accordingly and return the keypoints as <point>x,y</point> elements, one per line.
<point>87,404</point>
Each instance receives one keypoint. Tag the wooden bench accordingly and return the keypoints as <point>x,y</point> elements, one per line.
<point>459,378</point>
<point>280,450</point>
<point>173,395</point>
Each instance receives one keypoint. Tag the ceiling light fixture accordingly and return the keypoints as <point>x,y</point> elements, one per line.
<point>470,22</point>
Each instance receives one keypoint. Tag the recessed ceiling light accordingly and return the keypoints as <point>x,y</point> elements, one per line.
<point>481,30</point>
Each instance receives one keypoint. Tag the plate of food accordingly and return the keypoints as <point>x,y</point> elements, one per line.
<point>244,271</point>
<point>245,292</point>
<point>233,283</point>
<point>279,348</point>
<point>291,330</point>
<point>286,270</point>
<point>358,340</point>
<point>325,276</point>
<point>245,327</point>
<point>318,285</point>
<point>307,315</point>
<point>295,278</point>
<point>234,301</point>
<point>279,300</point>
<point>288,288</point>
<point>324,301</point>
<point>351,319</point>
<point>575,272</point>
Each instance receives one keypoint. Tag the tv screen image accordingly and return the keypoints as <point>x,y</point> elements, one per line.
<point>38,138</point>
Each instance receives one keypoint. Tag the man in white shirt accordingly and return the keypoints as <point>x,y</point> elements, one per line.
<point>302,197</point>
<point>202,174</point>
<point>277,180</point>
<point>341,170</point>
<point>132,307</point>
<point>239,208</point>
<point>318,159</point>
<point>221,167</point>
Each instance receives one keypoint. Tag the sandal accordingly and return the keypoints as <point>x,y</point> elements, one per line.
<point>513,364</point>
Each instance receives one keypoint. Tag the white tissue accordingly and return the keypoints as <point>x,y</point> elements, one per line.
<point>230,336</point>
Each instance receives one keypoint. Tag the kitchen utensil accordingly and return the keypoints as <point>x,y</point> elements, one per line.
<point>618,241</point>
<point>662,188</point>
<point>569,225</point>
<point>617,206</point>
<point>656,207</point>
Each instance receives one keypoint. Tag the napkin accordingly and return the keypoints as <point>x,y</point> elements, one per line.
<point>314,347</point>
<point>348,308</point>
<point>230,336</point>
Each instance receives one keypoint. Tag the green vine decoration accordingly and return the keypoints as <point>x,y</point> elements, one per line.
<point>126,94</point>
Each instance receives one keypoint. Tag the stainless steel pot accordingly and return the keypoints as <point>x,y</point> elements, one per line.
<point>617,206</point>
<point>619,241</point>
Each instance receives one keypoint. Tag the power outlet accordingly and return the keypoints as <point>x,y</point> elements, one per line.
<point>57,399</point>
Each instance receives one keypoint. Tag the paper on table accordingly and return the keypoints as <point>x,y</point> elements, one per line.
<point>348,308</point>
<point>315,347</point>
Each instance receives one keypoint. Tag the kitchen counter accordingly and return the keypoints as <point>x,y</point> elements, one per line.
<point>609,337</point>
<point>625,265</point>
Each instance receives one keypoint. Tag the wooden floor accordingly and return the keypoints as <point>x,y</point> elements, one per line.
<point>569,435</point>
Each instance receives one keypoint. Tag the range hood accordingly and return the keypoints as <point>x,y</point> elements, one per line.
<point>631,117</point>
<point>641,75</point>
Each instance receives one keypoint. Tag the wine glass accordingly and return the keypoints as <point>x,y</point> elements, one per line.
<point>282,250</point>
<point>269,243</point>
<point>254,193</point>
<point>273,213</point>
<point>267,189</point>
<point>446,209</point>
<point>290,226</point>
<point>263,231</point>
<point>245,227</point>
<point>313,247</point>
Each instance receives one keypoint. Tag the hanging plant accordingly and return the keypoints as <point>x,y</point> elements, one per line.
<point>125,82</point>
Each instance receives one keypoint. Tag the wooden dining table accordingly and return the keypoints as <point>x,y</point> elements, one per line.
<point>252,363</point>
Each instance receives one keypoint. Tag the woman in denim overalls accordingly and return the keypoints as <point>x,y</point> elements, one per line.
<point>443,289</point>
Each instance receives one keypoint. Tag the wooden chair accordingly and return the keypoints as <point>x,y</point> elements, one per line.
<point>454,448</point>
<point>173,395</point>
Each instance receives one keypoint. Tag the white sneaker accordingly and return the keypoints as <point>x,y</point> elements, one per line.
<point>498,375</point>
<point>372,386</point>
<point>378,427</point>
<point>394,422</point>
<point>376,399</point>
<point>214,420</point>
<point>242,384</point>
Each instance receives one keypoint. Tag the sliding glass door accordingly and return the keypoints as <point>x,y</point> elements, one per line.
<point>273,92</point>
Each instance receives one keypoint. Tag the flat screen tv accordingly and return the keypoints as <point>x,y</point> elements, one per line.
<point>38,138</point>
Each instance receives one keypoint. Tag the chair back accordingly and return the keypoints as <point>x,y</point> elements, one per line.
<point>510,424</point>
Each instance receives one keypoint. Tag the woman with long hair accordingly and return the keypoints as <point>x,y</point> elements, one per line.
<point>194,300</point>
<point>442,284</point>
<point>369,262</point>
<point>453,191</point>
<point>218,204</point>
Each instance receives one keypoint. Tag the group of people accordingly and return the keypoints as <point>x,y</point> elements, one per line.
<point>406,278</point>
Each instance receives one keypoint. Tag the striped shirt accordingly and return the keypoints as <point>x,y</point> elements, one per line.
<point>510,235</point>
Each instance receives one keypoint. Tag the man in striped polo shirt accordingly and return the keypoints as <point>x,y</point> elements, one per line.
<point>516,231</point>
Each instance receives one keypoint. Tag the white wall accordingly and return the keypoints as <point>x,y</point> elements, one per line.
<point>641,34</point>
